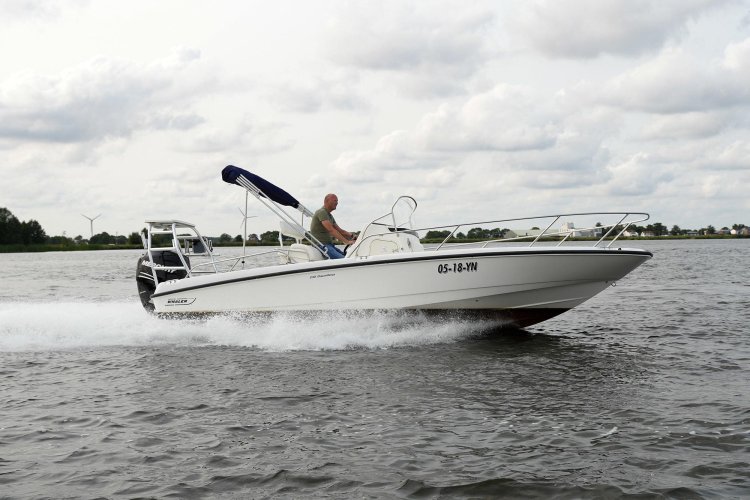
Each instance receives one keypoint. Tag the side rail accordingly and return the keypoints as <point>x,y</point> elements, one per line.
<point>253,260</point>
<point>600,227</point>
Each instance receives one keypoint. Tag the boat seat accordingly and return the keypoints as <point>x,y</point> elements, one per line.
<point>297,251</point>
<point>383,244</point>
<point>297,232</point>
<point>303,253</point>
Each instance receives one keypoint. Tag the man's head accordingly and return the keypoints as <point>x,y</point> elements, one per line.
<point>330,202</point>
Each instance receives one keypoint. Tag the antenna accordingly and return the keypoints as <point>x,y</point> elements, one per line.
<point>92,222</point>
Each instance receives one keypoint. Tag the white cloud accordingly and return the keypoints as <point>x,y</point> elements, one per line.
<point>712,186</point>
<point>639,175</point>
<point>29,9</point>
<point>511,132</point>
<point>247,137</point>
<point>503,119</point>
<point>443,177</point>
<point>425,49</point>
<point>587,29</point>
<point>100,99</point>
<point>691,125</point>
<point>678,82</point>
<point>580,104</point>
<point>394,151</point>
<point>737,56</point>
<point>315,94</point>
<point>735,156</point>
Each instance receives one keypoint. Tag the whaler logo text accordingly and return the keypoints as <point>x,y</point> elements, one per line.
<point>179,302</point>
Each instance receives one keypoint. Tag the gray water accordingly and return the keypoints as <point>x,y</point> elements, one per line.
<point>642,392</point>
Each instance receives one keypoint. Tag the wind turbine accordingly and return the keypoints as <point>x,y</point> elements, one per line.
<point>244,220</point>
<point>92,222</point>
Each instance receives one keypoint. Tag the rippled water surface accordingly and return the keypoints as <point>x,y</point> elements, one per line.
<point>641,392</point>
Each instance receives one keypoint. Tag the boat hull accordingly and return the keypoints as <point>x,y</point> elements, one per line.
<point>524,286</point>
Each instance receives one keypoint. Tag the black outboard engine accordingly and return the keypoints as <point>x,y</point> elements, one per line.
<point>144,278</point>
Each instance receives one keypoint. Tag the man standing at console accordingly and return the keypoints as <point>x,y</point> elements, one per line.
<point>323,226</point>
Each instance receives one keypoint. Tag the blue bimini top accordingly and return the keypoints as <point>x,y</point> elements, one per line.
<point>268,190</point>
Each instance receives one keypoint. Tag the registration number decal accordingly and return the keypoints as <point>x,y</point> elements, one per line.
<point>457,267</point>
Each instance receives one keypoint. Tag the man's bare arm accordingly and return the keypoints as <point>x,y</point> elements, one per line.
<point>337,232</point>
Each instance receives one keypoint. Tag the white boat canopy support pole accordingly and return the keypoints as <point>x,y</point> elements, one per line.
<point>244,232</point>
<point>279,212</point>
<point>272,196</point>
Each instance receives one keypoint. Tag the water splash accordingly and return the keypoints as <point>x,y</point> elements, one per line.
<point>74,325</point>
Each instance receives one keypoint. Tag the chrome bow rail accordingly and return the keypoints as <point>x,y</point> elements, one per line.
<point>601,233</point>
<point>598,232</point>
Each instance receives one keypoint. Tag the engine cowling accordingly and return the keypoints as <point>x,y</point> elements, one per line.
<point>144,277</point>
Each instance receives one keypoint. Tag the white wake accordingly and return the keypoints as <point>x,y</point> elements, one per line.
<point>75,325</point>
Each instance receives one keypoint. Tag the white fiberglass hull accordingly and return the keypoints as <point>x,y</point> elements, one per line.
<point>525,285</point>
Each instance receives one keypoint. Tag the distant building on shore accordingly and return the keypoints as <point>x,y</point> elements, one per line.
<point>567,227</point>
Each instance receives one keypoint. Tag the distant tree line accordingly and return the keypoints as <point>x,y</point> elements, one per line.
<point>26,233</point>
<point>659,229</point>
<point>15,232</point>
<point>476,233</point>
<point>265,239</point>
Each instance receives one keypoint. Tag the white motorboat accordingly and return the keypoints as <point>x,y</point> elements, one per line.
<point>524,278</point>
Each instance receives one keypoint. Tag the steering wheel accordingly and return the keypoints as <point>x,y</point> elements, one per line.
<point>350,244</point>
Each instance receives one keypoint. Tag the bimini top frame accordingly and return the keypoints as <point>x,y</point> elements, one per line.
<point>273,197</point>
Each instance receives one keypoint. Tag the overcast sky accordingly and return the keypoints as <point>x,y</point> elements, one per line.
<point>479,109</point>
